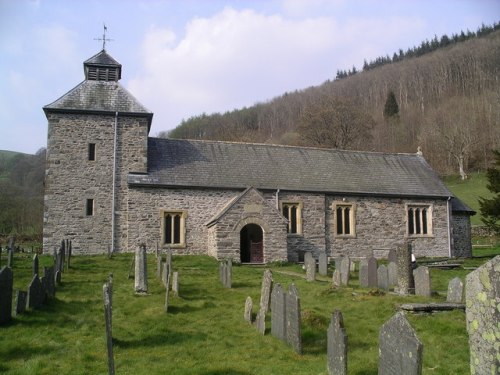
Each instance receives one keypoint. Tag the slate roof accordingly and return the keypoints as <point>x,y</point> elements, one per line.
<point>190,163</point>
<point>102,58</point>
<point>458,206</point>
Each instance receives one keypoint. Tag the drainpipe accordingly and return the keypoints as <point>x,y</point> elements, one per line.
<point>448,203</point>
<point>114,186</point>
<point>277,199</point>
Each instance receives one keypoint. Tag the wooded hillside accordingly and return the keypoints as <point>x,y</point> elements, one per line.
<point>447,102</point>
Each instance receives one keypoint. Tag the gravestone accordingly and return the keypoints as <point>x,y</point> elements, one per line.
<point>248,310</point>
<point>57,277</point>
<point>482,301</point>
<point>345,269</point>
<point>455,291</point>
<point>63,256</point>
<point>167,289</point>
<point>338,262</point>
<point>353,266</point>
<point>322,264</point>
<point>292,312</point>
<point>310,264</point>
<point>265,291</point>
<point>422,278</point>
<point>164,273</point>
<point>35,297</point>
<point>108,313</point>
<point>10,257</point>
<point>336,278</point>
<point>6,282</point>
<point>363,273</point>
<point>141,272</point>
<point>70,246</point>
<point>45,294</point>
<point>260,322</point>
<point>382,277</point>
<point>158,266</point>
<point>48,273</point>
<point>392,274</point>
<point>392,256</point>
<point>400,350</point>
<point>278,313</point>
<point>35,265</point>
<point>372,272</point>
<point>175,283</point>
<point>226,273</point>
<point>405,275</point>
<point>337,345</point>
<point>21,297</point>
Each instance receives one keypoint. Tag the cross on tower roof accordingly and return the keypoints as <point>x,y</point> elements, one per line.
<point>104,39</point>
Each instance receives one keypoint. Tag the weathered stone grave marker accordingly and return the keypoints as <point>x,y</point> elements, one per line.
<point>392,274</point>
<point>292,312</point>
<point>21,297</point>
<point>455,291</point>
<point>337,345</point>
<point>345,269</point>
<point>372,272</point>
<point>175,283</point>
<point>48,273</point>
<point>108,312</point>
<point>363,273</point>
<point>336,281</point>
<point>323,264</point>
<point>406,283</point>
<point>35,264</point>
<point>36,293</point>
<point>278,313</point>
<point>10,257</point>
<point>383,277</point>
<point>260,322</point>
<point>265,291</point>
<point>400,350</point>
<point>482,300</point>
<point>310,265</point>
<point>6,282</point>
<point>248,310</point>
<point>422,278</point>
<point>226,273</point>
<point>141,272</point>
<point>159,261</point>
<point>392,256</point>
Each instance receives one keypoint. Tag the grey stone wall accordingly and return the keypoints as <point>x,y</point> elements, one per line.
<point>462,242</point>
<point>71,179</point>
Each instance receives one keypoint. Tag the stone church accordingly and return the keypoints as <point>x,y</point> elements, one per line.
<point>109,186</point>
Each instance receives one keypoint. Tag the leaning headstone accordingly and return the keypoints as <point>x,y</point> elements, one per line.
<point>482,300</point>
<point>265,291</point>
<point>6,282</point>
<point>167,291</point>
<point>260,322</point>
<point>372,272</point>
<point>400,350</point>
<point>278,314</point>
<point>35,265</point>
<point>36,294</point>
<point>48,273</point>
<point>392,256</point>
<point>310,264</point>
<point>292,312</point>
<point>455,291</point>
<point>175,283</point>
<point>141,274</point>
<point>322,264</point>
<point>363,273</point>
<point>21,297</point>
<point>345,269</point>
<point>336,280</point>
<point>405,275</point>
<point>392,274</point>
<point>383,277</point>
<point>248,309</point>
<point>422,278</point>
<point>108,312</point>
<point>337,345</point>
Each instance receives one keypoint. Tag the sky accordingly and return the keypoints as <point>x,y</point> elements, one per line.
<point>185,58</point>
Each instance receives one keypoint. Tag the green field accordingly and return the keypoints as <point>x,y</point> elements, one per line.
<point>204,331</point>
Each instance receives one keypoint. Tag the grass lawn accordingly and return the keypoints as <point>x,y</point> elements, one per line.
<point>204,331</point>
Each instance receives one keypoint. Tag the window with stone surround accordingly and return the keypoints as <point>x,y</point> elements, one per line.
<point>91,151</point>
<point>345,219</point>
<point>419,220</point>
<point>174,227</point>
<point>292,211</point>
<point>89,207</point>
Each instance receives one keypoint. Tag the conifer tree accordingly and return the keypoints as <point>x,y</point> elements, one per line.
<point>391,107</point>
<point>490,208</point>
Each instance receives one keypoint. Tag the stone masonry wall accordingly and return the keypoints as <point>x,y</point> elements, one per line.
<point>71,178</point>
<point>462,242</point>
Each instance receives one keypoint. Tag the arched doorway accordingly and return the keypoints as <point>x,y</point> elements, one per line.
<point>251,244</point>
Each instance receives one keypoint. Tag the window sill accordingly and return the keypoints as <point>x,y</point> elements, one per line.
<point>175,245</point>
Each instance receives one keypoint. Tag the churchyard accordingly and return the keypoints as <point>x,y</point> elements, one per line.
<point>204,331</point>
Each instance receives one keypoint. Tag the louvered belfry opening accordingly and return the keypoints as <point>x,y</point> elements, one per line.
<point>102,67</point>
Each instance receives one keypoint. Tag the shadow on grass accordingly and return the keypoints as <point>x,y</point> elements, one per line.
<point>168,337</point>
<point>225,372</point>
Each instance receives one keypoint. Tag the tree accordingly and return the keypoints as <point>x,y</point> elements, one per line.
<point>490,208</point>
<point>391,107</point>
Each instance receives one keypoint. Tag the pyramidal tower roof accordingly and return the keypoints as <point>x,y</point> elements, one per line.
<point>100,92</point>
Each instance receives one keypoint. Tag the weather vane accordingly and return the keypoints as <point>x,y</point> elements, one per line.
<point>103,39</point>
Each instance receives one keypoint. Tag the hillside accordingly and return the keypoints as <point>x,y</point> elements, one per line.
<point>447,102</point>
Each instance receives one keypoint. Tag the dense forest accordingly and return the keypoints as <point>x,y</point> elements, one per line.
<point>445,101</point>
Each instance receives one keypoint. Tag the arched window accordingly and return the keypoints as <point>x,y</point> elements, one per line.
<point>419,220</point>
<point>293,212</point>
<point>344,219</point>
<point>173,227</point>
